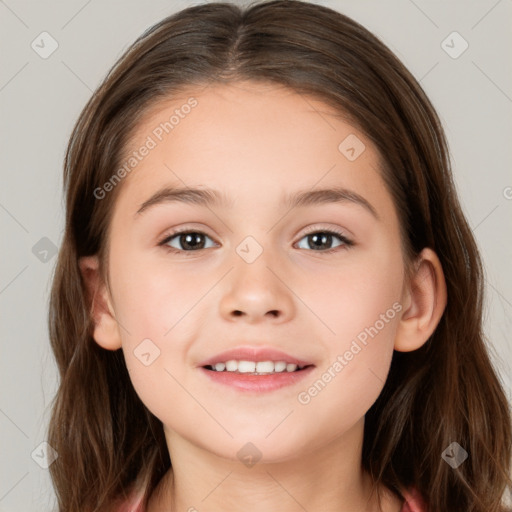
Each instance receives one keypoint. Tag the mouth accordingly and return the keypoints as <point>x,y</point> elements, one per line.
<point>255,360</point>
<point>256,369</point>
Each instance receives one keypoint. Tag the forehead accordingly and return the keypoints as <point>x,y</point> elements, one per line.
<point>246,137</point>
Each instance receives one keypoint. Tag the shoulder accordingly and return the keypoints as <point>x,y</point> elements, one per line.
<point>413,501</point>
<point>132,504</point>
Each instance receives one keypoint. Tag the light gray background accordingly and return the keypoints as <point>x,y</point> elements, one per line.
<point>40,99</point>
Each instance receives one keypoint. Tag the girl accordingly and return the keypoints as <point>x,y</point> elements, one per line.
<point>267,296</point>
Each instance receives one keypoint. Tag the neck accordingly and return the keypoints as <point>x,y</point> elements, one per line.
<point>325,478</point>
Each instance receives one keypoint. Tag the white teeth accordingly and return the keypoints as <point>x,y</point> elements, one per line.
<point>246,366</point>
<point>264,366</point>
<point>260,367</point>
<point>280,366</point>
<point>231,366</point>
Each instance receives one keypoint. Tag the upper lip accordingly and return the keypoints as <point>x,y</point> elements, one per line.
<point>254,354</point>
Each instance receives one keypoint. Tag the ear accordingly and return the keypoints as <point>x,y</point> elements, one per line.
<point>424,301</point>
<point>106,329</point>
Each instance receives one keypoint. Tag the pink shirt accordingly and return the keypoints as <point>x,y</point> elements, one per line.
<point>413,503</point>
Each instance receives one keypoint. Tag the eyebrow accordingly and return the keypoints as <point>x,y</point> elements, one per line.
<point>209,198</point>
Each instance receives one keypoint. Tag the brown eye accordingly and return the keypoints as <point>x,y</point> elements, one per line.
<point>187,241</point>
<point>323,240</point>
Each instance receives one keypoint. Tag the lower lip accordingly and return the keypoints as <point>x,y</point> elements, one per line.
<point>258,383</point>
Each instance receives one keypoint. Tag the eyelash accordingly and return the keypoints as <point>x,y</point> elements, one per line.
<point>346,242</point>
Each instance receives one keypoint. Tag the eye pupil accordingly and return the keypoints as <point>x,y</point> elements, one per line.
<point>191,240</point>
<point>317,240</point>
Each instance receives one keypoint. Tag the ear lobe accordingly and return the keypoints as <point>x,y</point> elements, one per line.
<point>425,300</point>
<point>106,329</point>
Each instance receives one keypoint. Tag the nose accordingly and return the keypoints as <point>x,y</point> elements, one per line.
<point>257,291</point>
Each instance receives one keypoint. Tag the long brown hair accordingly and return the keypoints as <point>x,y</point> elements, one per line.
<point>446,391</point>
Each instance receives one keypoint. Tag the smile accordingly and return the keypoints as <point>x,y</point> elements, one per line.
<point>245,377</point>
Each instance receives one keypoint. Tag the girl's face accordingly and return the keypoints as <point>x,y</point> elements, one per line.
<point>251,276</point>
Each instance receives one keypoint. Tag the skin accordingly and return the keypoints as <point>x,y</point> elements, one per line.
<point>256,142</point>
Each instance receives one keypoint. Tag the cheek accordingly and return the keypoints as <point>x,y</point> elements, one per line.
<point>152,298</point>
<point>361,305</point>
<point>152,305</point>
<point>354,295</point>
<point>356,367</point>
